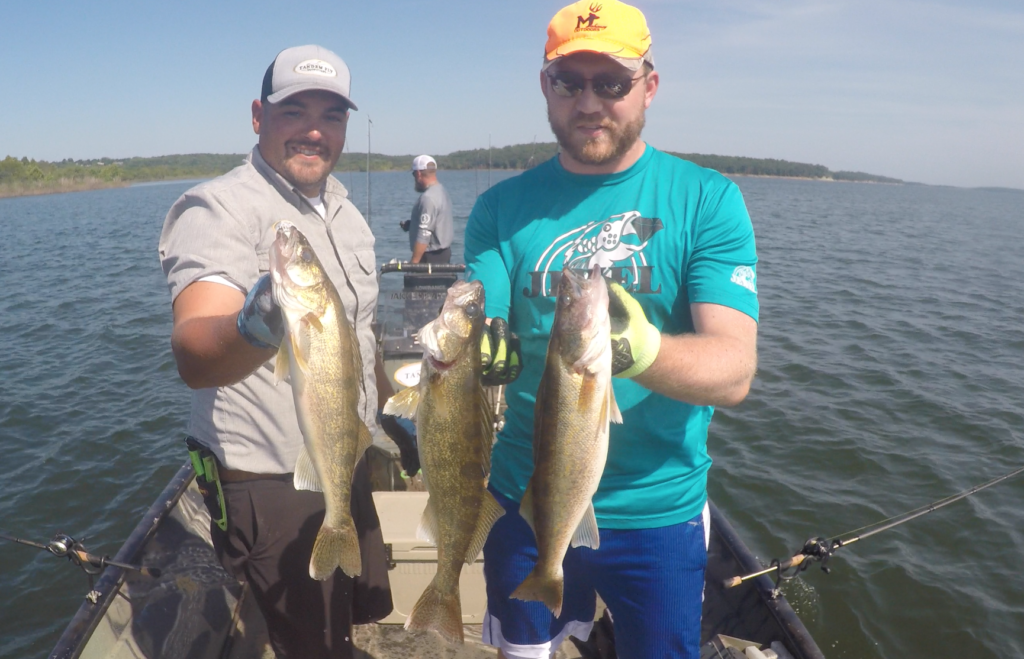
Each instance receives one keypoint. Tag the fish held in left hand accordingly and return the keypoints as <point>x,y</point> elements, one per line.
<point>455,429</point>
<point>575,404</point>
<point>320,354</point>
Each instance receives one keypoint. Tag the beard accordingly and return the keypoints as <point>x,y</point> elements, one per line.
<point>613,144</point>
<point>306,174</point>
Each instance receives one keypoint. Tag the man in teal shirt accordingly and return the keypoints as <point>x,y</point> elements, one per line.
<point>678,244</point>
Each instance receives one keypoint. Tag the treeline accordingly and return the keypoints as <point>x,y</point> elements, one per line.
<point>772,167</point>
<point>525,156</point>
<point>517,156</point>
<point>25,176</point>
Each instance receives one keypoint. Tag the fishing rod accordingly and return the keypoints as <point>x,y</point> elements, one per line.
<point>64,546</point>
<point>821,549</point>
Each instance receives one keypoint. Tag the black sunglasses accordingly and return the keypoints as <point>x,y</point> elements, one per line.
<point>608,86</point>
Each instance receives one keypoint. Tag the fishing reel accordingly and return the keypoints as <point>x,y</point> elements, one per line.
<point>63,545</point>
<point>815,549</point>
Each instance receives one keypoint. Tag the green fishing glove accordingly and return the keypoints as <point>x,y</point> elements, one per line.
<point>635,342</point>
<point>500,354</point>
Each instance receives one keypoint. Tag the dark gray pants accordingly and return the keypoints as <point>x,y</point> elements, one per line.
<point>271,529</point>
<point>438,256</point>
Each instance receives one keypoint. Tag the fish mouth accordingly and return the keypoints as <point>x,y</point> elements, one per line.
<point>439,365</point>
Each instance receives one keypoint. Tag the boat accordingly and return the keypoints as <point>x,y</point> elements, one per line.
<point>194,609</point>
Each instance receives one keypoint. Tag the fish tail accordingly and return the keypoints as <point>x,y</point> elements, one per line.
<point>539,587</point>
<point>439,611</point>
<point>336,547</point>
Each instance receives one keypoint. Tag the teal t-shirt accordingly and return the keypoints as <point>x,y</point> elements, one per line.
<point>672,234</point>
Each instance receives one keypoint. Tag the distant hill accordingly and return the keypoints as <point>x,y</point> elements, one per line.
<point>524,156</point>
<point>25,176</point>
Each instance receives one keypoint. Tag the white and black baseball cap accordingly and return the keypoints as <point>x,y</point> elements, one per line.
<point>420,163</point>
<point>303,68</point>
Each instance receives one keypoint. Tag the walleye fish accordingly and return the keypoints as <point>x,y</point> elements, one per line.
<point>321,355</point>
<point>574,406</point>
<point>454,426</point>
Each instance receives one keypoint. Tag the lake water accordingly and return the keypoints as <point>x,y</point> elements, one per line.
<point>891,375</point>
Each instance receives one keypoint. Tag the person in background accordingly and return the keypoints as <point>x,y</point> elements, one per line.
<point>430,227</point>
<point>677,245</point>
<point>214,250</point>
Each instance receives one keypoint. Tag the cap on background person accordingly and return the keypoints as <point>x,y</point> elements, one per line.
<point>303,68</point>
<point>420,163</point>
<point>608,27</point>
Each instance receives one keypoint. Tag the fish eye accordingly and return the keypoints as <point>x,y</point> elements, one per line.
<point>566,300</point>
<point>307,255</point>
<point>472,309</point>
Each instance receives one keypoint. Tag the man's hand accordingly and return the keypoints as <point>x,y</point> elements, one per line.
<point>259,322</point>
<point>403,433</point>
<point>500,353</point>
<point>635,342</point>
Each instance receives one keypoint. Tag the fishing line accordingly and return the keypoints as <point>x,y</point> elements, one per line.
<point>821,549</point>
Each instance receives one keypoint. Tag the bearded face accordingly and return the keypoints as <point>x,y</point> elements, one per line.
<point>597,132</point>
<point>606,145</point>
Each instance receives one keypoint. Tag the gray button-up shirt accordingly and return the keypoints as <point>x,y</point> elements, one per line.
<point>224,228</point>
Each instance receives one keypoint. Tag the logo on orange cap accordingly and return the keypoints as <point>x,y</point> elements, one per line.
<point>588,22</point>
<point>610,28</point>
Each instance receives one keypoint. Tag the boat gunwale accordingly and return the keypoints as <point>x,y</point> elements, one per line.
<point>83,624</point>
<point>797,636</point>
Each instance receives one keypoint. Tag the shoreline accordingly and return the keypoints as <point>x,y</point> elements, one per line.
<point>823,179</point>
<point>32,190</point>
<point>11,192</point>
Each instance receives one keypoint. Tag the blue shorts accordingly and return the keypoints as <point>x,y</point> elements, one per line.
<point>651,579</point>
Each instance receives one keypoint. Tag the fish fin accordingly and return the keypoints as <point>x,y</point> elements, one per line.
<point>335,548</point>
<point>427,530</point>
<point>591,360</point>
<point>586,533</point>
<point>365,440</point>
<point>427,338</point>
<point>313,321</point>
<point>614,415</point>
<point>281,363</point>
<point>486,429</point>
<point>404,403</point>
<point>526,506</point>
<point>439,611</point>
<point>537,587</point>
<point>299,349</point>
<point>305,477</point>
<point>490,511</point>
<point>588,389</point>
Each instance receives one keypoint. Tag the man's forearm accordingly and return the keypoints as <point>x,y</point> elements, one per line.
<point>418,250</point>
<point>210,352</point>
<point>701,369</point>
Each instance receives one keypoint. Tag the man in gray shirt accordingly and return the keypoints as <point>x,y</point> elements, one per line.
<point>430,227</point>
<point>214,250</point>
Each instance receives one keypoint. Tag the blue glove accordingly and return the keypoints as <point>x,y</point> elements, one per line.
<point>259,322</point>
<point>403,433</point>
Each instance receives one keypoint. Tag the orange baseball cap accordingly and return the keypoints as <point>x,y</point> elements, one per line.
<point>608,27</point>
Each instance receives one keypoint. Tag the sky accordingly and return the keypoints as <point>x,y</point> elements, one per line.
<point>925,91</point>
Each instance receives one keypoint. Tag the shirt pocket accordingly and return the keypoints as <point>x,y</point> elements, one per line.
<point>367,261</point>
<point>263,261</point>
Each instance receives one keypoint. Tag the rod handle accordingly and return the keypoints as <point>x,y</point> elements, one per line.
<point>100,561</point>
<point>784,565</point>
